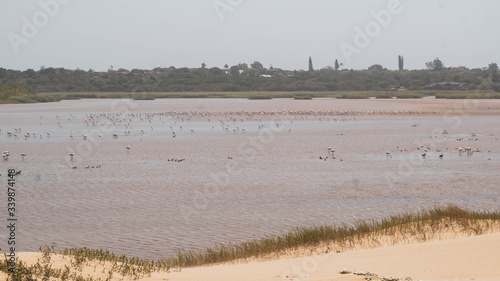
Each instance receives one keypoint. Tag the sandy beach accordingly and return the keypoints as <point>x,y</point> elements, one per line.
<point>467,258</point>
<point>461,259</point>
<point>233,186</point>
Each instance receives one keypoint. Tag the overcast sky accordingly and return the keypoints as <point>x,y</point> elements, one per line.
<point>144,34</point>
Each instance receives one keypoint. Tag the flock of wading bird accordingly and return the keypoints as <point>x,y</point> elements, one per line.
<point>469,151</point>
<point>227,120</point>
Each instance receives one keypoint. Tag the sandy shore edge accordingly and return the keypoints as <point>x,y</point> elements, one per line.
<point>464,258</point>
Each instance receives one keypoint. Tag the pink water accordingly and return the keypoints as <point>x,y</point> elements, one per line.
<point>233,185</point>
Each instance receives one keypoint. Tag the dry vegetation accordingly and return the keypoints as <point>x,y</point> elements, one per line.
<point>419,227</point>
<point>436,223</point>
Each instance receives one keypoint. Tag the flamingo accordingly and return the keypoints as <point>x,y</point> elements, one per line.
<point>22,155</point>
<point>71,155</point>
<point>128,148</point>
<point>332,151</point>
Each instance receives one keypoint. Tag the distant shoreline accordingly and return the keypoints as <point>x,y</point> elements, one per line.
<point>252,95</point>
<point>324,106</point>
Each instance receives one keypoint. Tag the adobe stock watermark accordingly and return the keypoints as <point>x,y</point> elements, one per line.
<point>223,6</point>
<point>30,28</point>
<point>307,266</point>
<point>372,29</point>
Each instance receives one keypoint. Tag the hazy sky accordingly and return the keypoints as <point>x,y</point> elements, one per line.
<point>149,33</point>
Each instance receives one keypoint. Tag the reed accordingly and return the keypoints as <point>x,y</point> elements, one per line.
<point>422,226</point>
<point>303,96</point>
<point>355,95</point>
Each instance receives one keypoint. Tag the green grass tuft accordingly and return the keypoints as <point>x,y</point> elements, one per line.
<point>309,237</point>
<point>422,226</point>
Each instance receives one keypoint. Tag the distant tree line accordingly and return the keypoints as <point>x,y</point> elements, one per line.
<point>242,77</point>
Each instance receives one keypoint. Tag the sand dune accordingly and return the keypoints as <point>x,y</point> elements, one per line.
<point>467,258</point>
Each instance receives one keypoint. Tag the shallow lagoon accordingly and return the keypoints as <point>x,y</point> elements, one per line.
<point>234,185</point>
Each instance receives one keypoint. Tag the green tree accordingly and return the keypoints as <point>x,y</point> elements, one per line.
<point>436,64</point>
<point>400,63</point>
<point>336,64</point>
<point>493,70</point>
<point>234,70</point>
<point>256,65</point>
<point>376,67</point>
<point>492,67</point>
<point>216,71</point>
<point>252,72</point>
<point>30,73</point>
<point>203,65</point>
<point>243,66</point>
<point>311,69</point>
